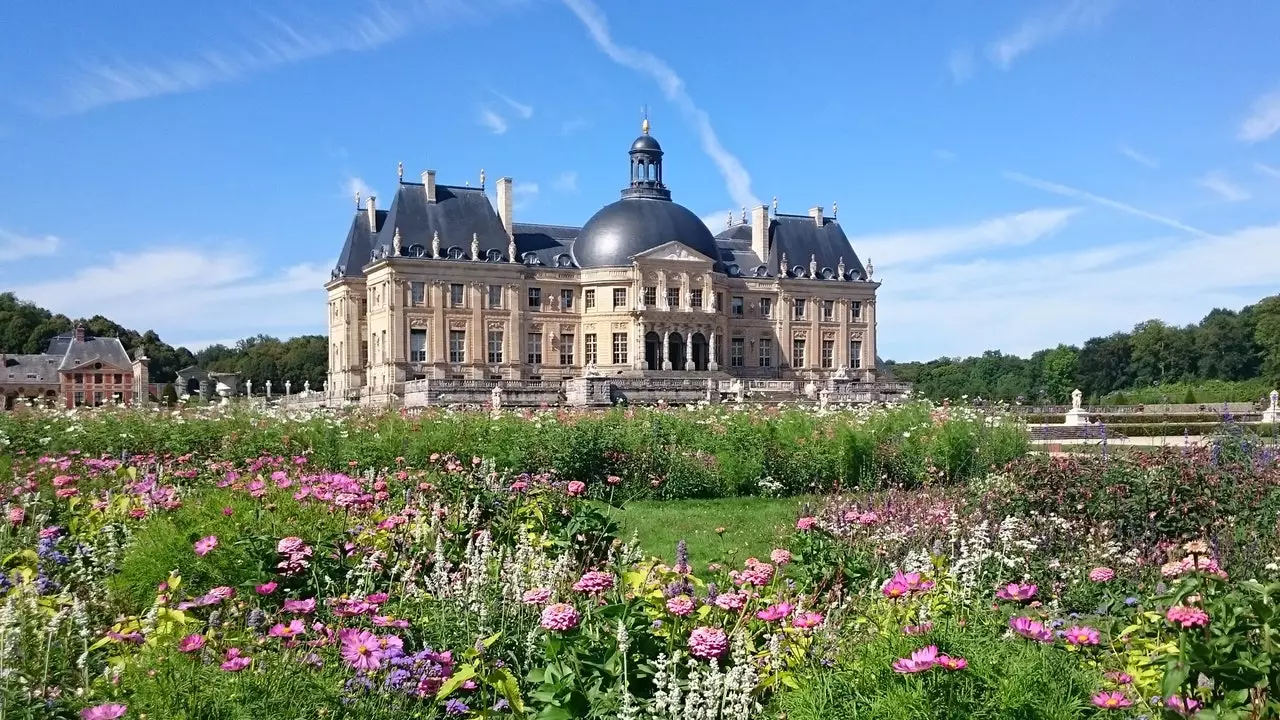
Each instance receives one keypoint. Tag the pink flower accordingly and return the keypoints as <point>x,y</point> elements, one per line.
<point>920,661</point>
<point>731,601</point>
<point>191,643</point>
<point>280,630</point>
<point>594,582</point>
<point>292,546</point>
<point>17,515</point>
<point>613,480</point>
<point>1016,592</point>
<point>806,523</point>
<point>1185,707</point>
<point>1101,574</point>
<point>235,661</point>
<point>1079,635</point>
<point>950,663</point>
<point>205,545</point>
<point>680,605</point>
<point>780,557</point>
<point>921,629</point>
<point>360,649</point>
<point>1114,700</point>
<point>266,588</point>
<point>756,573</point>
<point>1031,629</point>
<point>575,488</point>
<point>536,596</point>
<point>1187,616</point>
<point>301,607</point>
<point>708,643</point>
<point>902,585</point>
<point>1119,678</point>
<point>807,620</point>
<point>775,612</point>
<point>560,617</point>
<point>108,711</point>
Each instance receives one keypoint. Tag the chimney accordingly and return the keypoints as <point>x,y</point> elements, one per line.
<point>429,182</point>
<point>760,232</point>
<point>816,214</point>
<point>371,207</point>
<point>505,204</point>
<point>79,333</point>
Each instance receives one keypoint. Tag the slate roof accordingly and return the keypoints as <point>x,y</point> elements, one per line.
<point>109,351</point>
<point>547,242</point>
<point>14,369</point>
<point>65,353</point>
<point>800,237</point>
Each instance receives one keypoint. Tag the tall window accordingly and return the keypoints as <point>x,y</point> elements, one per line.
<point>455,294</point>
<point>589,298</point>
<point>799,309</point>
<point>97,398</point>
<point>535,349</point>
<point>797,353</point>
<point>535,298</point>
<point>79,378</point>
<point>566,349</point>
<point>119,378</point>
<point>619,298</point>
<point>457,346</point>
<point>855,310</point>
<point>828,353</point>
<point>735,352</point>
<point>418,345</point>
<point>766,352</point>
<point>828,309</point>
<point>495,296</point>
<point>417,293</point>
<point>620,348</point>
<point>566,298</point>
<point>855,354</point>
<point>589,341</point>
<point>650,296</point>
<point>673,298</point>
<point>364,353</point>
<point>79,398</point>
<point>735,306</point>
<point>97,378</point>
<point>695,298</point>
<point>495,347</point>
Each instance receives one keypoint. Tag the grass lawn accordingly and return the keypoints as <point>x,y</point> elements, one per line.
<point>752,526</point>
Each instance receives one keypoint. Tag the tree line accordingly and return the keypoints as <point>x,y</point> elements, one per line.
<point>1154,362</point>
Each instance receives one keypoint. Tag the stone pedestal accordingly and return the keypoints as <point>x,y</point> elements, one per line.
<point>1077,416</point>
<point>1272,414</point>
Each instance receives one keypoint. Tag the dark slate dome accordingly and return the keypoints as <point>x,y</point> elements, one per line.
<point>635,224</point>
<point>646,143</point>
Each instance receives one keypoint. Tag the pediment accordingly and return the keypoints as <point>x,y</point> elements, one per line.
<point>87,366</point>
<point>674,250</point>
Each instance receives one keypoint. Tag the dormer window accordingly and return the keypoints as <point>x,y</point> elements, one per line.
<point>563,260</point>
<point>494,255</point>
<point>416,251</point>
<point>455,253</point>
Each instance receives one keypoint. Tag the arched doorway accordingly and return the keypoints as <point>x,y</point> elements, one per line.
<point>699,352</point>
<point>653,351</point>
<point>676,351</point>
<point>193,386</point>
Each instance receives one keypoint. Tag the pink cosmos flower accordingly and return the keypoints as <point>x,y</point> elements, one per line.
<point>775,612</point>
<point>731,601</point>
<point>1187,616</point>
<point>560,617</point>
<point>1016,592</point>
<point>1113,700</point>
<point>280,630</point>
<point>807,620</point>
<point>536,596</point>
<point>360,649</point>
<point>594,582</point>
<point>949,663</point>
<point>1185,707</point>
<point>301,607</point>
<point>1031,629</point>
<point>780,557</point>
<point>806,523</point>
<point>191,643</point>
<point>575,488</point>
<point>205,545</point>
<point>108,711</point>
<point>1101,574</point>
<point>1080,635</point>
<point>266,588</point>
<point>1119,678</point>
<point>235,661</point>
<point>708,643</point>
<point>920,661</point>
<point>680,605</point>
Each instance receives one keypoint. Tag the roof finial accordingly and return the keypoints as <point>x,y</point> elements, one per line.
<point>775,204</point>
<point>481,178</point>
<point>644,126</point>
<point>835,210</point>
<point>871,270</point>
<point>357,199</point>
<point>744,215</point>
<point>400,171</point>
<point>729,222</point>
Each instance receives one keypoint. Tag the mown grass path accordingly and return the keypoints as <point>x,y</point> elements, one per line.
<point>751,526</point>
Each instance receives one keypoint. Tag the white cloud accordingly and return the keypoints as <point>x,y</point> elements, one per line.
<point>524,194</point>
<point>1138,157</point>
<point>1040,29</point>
<point>1267,170</point>
<point>911,247</point>
<point>16,247</point>
<point>493,121</point>
<point>524,111</point>
<point>357,185</point>
<point>737,179</point>
<point>1067,191</point>
<point>1218,183</point>
<point>573,125</point>
<point>566,182</point>
<point>1263,120</point>
<point>961,65</point>
<point>717,221</point>
<point>186,294</point>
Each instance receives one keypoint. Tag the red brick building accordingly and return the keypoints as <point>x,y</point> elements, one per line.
<point>76,370</point>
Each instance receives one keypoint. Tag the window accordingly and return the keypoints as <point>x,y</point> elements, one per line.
<point>97,378</point>
<point>566,349</point>
<point>735,352</point>
<point>695,298</point>
<point>535,298</point>
<point>364,353</point>
<point>766,352</point>
<point>566,299</point>
<point>418,345</point>
<point>495,296</point>
<point>457,346</point>
<point>619,298</point>
<point>719,301</point>
<point>590,350</point>
<point>417,293</point>
<point>855,354</point>
<point>495,347</point>
<point>455,294</point>
<point>855,311</point>
<point>589,298</point>
<point>535,349</point>
<point>97,398</point>
<point>766,307</point>
<point>797,353</point>
<point>673,298</point>
<point>799,309</point>
<point>386,349</point>
<point>620,348</point>
<point>119,378</point>
<point>735,306</point>
<point>828,353</point>
<point>79,398</point>
<point>828,309</point>
<point>650,296</point>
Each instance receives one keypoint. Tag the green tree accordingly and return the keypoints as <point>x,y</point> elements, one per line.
<point>1059,373</point>
<point>1266,334</point>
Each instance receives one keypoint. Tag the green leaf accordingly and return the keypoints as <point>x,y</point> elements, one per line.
<point>507,685</point>
<point>461,675</point>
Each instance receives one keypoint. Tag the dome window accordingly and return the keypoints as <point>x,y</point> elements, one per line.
<point>455,253</point>
<point>416,251</point>
<point>494,255</point>
<point>828,274</point>
<point>563,260</point>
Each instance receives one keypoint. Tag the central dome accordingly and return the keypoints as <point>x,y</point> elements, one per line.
<point>635,224</point>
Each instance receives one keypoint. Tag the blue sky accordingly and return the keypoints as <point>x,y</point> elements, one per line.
<point>1021,172</point>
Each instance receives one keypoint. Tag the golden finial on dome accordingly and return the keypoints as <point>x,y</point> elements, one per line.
<point>644,126</point>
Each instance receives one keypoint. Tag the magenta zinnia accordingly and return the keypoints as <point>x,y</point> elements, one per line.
<point>680,605</point>
<point>708,643</point>
<point>1101,574</point>
<point>1187,616</point>
<point>594,582</point>
<point>560,617</point>
<point>536,596</point>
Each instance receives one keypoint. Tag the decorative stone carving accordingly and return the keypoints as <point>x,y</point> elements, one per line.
<point>813,266</point>
<point>842,373</point>
<point>856,334</point>
<point>397,245</point>
<point>511,251</point>
<point>457,324</point>
<point>435,244</point>
<point>620,326</point>
<point>475,246</point>
<point>1076,396</point>
<point>566,328</point>
<point>496,325</point>
<point>417,322</point>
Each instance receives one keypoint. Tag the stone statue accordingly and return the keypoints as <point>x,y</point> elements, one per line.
<point>810,390</point>
<point>871,269</point>
<point>840,268</point>
<point>511,250</point>
<point>435,244</point>
<point>591,370</point>
<point>495,397</point>
<point>1076,396</point>
<point>248,388</point>
<point>475,246</point>
<point>324,387</point>
<point>824,399</point>
<point>306,387</point>
<point>1272,414</point>
<point>782,266</point>
<point>268,389</point>
<point>396,246</point>
<point>813,266</point>
<point>842,373</point>
<point>739,389</point>
<point>1275,400</point>
<point>288,386</point>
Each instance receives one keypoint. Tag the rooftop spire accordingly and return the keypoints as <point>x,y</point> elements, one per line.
<point>644,126</point>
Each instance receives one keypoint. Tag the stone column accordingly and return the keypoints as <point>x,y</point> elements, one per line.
<point>813,346</point>
<point>869,340</point>
<point>688,350</point>
<point>713,353</point>
<point>440,325</point>
<point>666,350</point>
<point>640,363</point>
